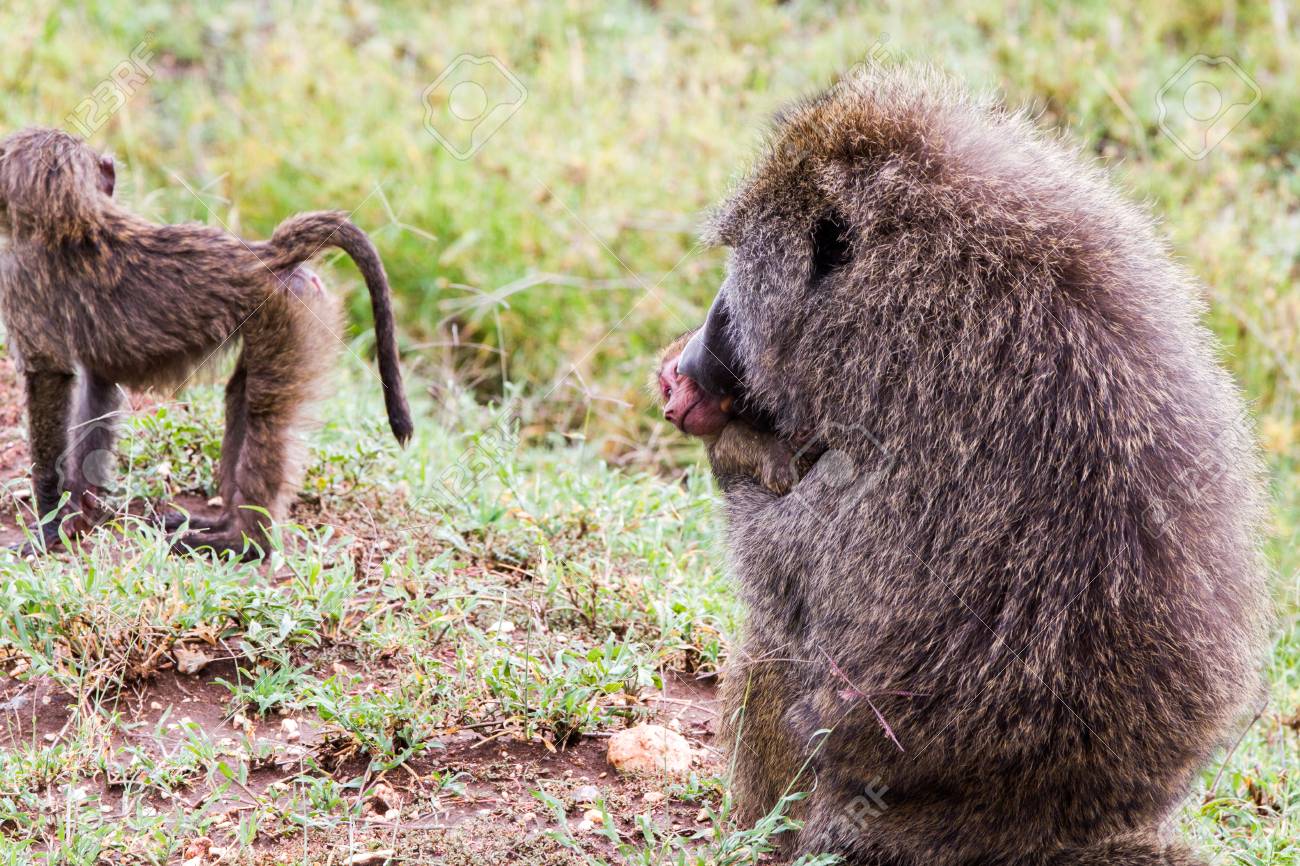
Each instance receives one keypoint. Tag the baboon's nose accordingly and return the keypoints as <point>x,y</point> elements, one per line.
<point>709,358</point>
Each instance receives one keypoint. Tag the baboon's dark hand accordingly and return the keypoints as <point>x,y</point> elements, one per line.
<point>217,546</point>
<point>47,537</point>
<point>172,521</point>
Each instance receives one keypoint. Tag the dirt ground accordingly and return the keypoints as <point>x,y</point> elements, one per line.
<point>492,817</point>
<point>13,450</point>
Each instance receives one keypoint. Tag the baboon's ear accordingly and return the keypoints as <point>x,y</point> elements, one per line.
<point>107,175</point>
<point>831,250</point>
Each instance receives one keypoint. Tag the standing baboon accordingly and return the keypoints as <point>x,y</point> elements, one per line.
<point>738,446</point>
<point>95,297</point>
<point>1037,606</point>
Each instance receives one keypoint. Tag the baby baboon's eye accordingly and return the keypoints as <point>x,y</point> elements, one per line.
<point>830,247</point>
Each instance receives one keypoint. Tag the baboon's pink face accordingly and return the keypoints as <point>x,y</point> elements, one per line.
<point>788,298</point>
<point>688,406</point>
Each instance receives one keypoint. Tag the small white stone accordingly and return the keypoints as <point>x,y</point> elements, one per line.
<point>649,749</point>
<point>586,794</point>
<point>369,858</point>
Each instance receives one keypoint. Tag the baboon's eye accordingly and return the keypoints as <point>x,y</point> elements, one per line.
<point>830,247</point>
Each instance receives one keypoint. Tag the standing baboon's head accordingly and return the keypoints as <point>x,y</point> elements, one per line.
<point>53,186</point>
<point>882,219</point>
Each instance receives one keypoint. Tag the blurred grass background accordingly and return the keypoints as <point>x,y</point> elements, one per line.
<point>637,116</point>
<point>559,255</point>
<point>554,260</point>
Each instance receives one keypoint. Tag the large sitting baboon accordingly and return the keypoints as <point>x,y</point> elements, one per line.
<point>1021,589</point>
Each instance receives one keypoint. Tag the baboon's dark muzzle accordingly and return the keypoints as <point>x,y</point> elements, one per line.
<point>709,357</point>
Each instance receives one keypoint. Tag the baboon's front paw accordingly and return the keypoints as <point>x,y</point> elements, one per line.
<point>171,521</point>
<point>41,542</point>
<point>216,545</point>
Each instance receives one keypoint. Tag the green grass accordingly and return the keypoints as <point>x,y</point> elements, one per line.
<point>546,552</point>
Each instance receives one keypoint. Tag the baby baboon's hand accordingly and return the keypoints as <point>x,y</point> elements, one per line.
<point>742,450</point>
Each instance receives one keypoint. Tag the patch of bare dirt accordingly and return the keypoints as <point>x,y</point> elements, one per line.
<point>493,818</point>
<point>32,711</point>
<point>13,448</point>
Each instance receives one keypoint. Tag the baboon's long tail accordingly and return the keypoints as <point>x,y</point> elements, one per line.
<point>300,237</point>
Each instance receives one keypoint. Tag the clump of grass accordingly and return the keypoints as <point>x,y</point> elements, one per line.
<point>720,843</point>
<point>565,695</point>
<point>274,684</point>
<point>100,620</point>
<point>385,726</point>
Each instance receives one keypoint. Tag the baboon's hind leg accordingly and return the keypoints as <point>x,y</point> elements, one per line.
<point>287,348</point>
<point>89,465</point>
<point>766,760</point>
<point>232,442</point>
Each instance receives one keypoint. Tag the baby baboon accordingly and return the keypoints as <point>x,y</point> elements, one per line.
<point>95,297</point>
<point>737,447</point>
<point>1038,608</point>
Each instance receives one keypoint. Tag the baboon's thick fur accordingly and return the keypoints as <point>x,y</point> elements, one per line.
<point>1041,572</point>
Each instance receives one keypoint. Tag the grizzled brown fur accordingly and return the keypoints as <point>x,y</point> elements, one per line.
<point>1042,577</point>
<point>94,297</point>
